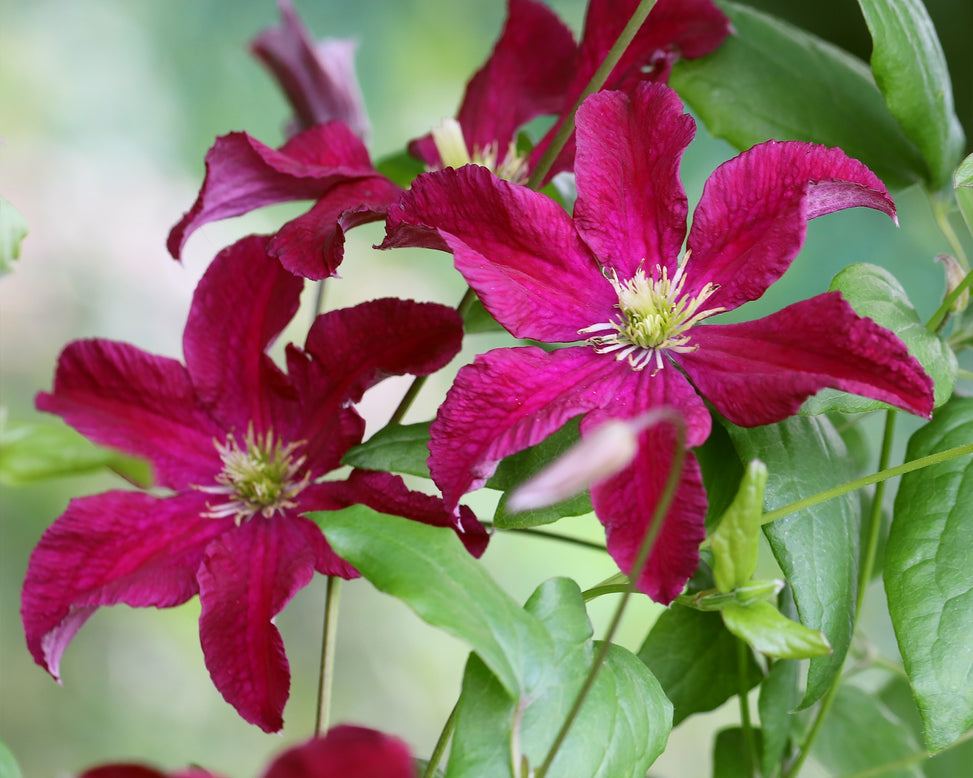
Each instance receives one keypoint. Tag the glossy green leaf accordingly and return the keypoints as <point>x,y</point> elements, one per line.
<point>8,765</point>
<point>929,578</point>
<point>859,733</point>
<point>529,663</point>
<point>394,449</point>
<point>817,548</point>
<point>768,631</point>
<point>695,659</point>
<point>38,452</point>
<point>779,695</point>
<point>736,541</point>
<point>401,168</point>
<point>731,755</point>
<point>874,292</point>
<point>910,70</point>
<point>772,80</point>
<point>13,229</point>
<point>963,184</point>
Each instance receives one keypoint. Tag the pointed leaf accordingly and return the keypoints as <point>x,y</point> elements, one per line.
<point>860,734</point>
<point>963,183</point>
<point>817,548</point>
<point>695,659</point>
<point>910,69</point>
<point>928,578</point>
<point>397,448</point>
<point>731,756</point>
<point>13,229</point>
<point>874,292</point>
<point>772,80</point>
<point>736,541</point>
<point>779,695</point>
<point>768,631</point>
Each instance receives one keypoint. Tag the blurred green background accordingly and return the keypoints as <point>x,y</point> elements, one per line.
<point>106,111</point>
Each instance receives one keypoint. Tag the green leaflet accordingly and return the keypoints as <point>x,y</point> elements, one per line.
<point>529,662</point>
<point>874,292</point>
<point>910,70</point>
<point>772,80</point>
<point>8,764</point>
<point>731,758</point>
<point>929,579</point>
<point>736,541</point>
<point>766,630</point>
<point>394,449</point>
<point>816,548</point>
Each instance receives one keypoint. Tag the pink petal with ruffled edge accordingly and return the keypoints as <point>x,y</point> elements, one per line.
<point>318,78</point>
<point>313,244</point>
<point>120,396</point>
<point>116,547</point>
<point>240,306</point>
<point>246,578</point>
<point>517,248</point>
<point>507,400</point>
<point>387,493</point>
<point>760,372</point>
<point>243,174</point>
<point>751,220</point>
<point>625,505</point>
<point>631,205</point>
<point>346,752</point>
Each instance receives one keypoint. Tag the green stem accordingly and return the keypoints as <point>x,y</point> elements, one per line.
<point>645,550</point>
<point>906,761</point>
<point>743,651</point>
<point>967,374</point>
<point>552,536</point>
<point>874,478</point>
<point>875,527</point>
<point>612,58</point>
<point>812,735</point>
<point>440,749</point>
<point>942,210</point>
<point>328,640</point>
<point>952,297</point>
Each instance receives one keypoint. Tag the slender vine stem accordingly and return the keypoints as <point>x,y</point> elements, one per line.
<point>952,297</point>
<point>645,550</point>
<point>904,762</point>
<point>824,708</point>
<point>941,209</point>
<point>328,642</point>
<point>440,748</point>
<point>750,743</point>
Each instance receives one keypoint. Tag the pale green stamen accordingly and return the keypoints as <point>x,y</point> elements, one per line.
<point>262,477</point>
<point>655,317</point>
<point>453,153</point>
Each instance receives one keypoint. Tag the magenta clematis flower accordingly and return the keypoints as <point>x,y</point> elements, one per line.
<point>536,68</point>
<point>345,752</point>
<point>612,277</point>
<point>243,448</point>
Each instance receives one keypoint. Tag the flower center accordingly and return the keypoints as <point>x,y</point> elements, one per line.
<point>655,317</point>
<point>262,477</point>
<point>451,146</point>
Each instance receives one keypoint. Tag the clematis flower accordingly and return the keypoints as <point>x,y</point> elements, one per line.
<point>535,69</point>
<point>612,277</point>
<point>242,448</point>
<point>345,752</point>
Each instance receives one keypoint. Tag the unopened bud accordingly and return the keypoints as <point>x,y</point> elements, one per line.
<point>955,275</point>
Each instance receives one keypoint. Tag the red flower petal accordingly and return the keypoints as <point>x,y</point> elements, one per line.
<point>631,205</point>
<point>625,505</point>
<point>243,174</point>
<point>116,547</point>
<point>248,575</point>
<point>760,372</point>
<point>312,245</point>
<point>241,304</point>
<point>751,220</point>
<point>515,247</point>
<point>346,752</point>
<point>121,396</point>
<point>507,400</point>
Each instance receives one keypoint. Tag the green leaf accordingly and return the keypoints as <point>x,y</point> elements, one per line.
<point>859,733</point>
<point>768,631</point>
<point>736,541</point>
<point>929,578</point>
<point>772,80</point>
<point>38,452</point>
<point>722,473</point>
<point>394,449</point>
<point>779,695</point>
<point>731,757</point>
<point>817,548</point>
<point>530,662</point>
<point>695,659</point>
<point>910,70</point>
<point>8,765</point>
<point>963,184</point>
<point>874,292</point>
<point>401,167</point>
<point>13,229</point>
<point>477,320</point>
